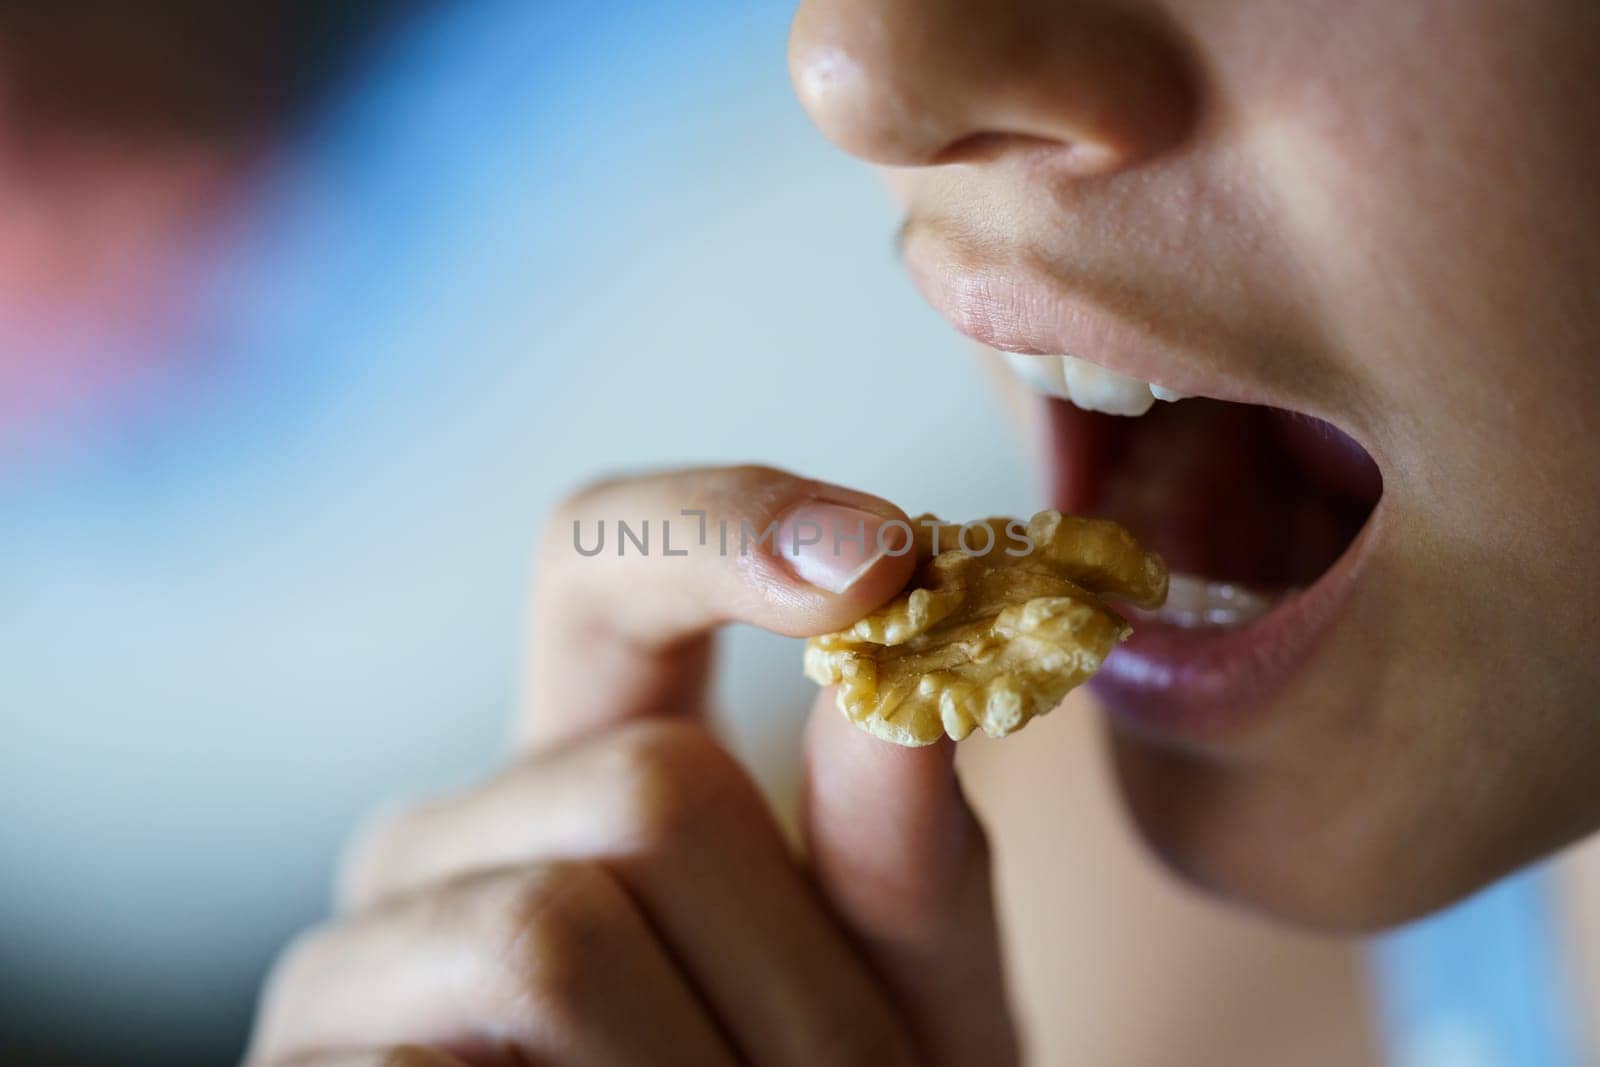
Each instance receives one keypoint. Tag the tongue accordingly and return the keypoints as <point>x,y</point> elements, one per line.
<point>1223,491</point>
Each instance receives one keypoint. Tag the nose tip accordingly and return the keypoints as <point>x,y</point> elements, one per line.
<point>852,84</point>
<point>923,82</point>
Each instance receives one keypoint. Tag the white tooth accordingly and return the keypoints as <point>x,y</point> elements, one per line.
<point>1042,374</point>
<point>1195,602</point>
<point>1096,389</point>
<point>1161,392</point>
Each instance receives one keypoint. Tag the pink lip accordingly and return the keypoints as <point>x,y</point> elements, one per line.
<point>1019,309</point>
<point>1206,685</point>
<point>1203,686</point>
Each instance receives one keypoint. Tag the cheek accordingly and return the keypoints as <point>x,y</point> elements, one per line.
<point>1446,206</point>
<point>1446,212</point>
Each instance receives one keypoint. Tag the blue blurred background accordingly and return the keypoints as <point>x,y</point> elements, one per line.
<point>522,244</point>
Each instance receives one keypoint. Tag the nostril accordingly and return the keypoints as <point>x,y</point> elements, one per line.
<point>927,82</point>
<point>982,147</point>
<point>1083,157</point>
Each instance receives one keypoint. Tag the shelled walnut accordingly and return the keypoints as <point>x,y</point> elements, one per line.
<point>999,621</point>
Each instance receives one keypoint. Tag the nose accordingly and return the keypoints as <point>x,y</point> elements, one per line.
<point>926,82</point>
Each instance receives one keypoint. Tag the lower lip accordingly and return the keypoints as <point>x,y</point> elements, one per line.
<point>1210,684</point>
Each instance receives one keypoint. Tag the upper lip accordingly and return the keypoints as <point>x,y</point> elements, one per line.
<point>1021,308</point>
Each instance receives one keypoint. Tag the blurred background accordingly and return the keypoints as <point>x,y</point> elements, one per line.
<point>265,516</point>
<point>309,313</point>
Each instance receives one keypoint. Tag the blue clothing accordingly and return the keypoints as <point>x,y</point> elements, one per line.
<point>1482,984</point>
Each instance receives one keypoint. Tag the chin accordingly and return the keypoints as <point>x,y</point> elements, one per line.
<point>1336,823</point>
<point>1250,846</point>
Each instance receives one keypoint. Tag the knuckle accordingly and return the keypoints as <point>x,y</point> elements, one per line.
<point>572,521</point>
<point>380,861</point>
<point>675,781</point>
<point>293,977</point>
<point>367,855</point>
<point>305,955</point>
<point>563,926</point>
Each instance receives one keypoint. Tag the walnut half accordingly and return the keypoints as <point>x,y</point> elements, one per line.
<point>996,626</point>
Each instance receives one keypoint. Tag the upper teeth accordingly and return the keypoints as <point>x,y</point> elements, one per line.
<point>1090,387</point>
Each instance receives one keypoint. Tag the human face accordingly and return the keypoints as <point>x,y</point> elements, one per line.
<point>1378,215</point>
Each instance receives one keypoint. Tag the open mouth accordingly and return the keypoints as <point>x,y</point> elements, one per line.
<point>1257,510</point>
<point>1267,517</point>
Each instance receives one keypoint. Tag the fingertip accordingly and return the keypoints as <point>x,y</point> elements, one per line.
<point>842,752</point>
<point>895,847</point>
<point>863,787</point>
<point>857,558</point>
<point>636,573</point>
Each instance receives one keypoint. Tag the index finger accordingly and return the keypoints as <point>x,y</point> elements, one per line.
<point>637,573</point>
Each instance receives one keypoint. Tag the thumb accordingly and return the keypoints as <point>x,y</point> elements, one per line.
<point>905,864</point>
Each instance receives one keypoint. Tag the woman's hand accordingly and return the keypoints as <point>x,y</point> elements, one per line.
<point>622,894</point>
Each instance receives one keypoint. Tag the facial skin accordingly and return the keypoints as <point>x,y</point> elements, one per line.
<point>1380,214</point>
